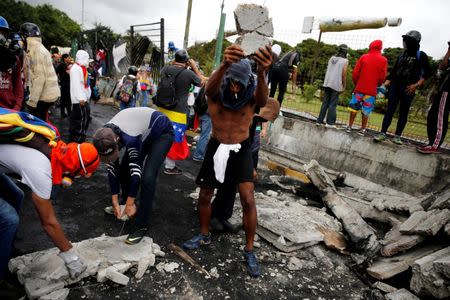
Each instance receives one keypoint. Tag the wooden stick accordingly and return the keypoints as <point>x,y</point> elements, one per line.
<point>181,253</point>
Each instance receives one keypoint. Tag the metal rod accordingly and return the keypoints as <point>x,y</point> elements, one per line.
<point>144,30</point>
<point>188,22</point>
<point>140,25</point>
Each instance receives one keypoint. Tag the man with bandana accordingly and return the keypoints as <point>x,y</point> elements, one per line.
<point>11,88</point>
<point>409,73</point>
<point>233,96</point>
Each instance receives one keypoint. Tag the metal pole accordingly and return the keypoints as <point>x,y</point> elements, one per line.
<point>131,45</point>
<point>82,13</point>
<point>220,34</point>
<point>162,43</point>
<point>188,22</point>
<point>316,57</point>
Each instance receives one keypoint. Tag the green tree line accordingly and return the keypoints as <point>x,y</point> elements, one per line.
<point>56,27</point>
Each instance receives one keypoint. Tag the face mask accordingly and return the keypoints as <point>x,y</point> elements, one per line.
<point>7,59</point>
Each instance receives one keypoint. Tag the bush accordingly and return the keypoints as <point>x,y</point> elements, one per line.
<point>308,91</point>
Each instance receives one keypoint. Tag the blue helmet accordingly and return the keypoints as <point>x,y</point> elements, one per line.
<point>171,45</point>
<point>4,24</point>
<point>15,37</point>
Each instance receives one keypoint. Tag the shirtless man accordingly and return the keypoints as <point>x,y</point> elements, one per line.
<point>233,95</point>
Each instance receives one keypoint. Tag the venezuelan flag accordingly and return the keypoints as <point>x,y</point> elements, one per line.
<point>179,149</point>
<point>12,123</point>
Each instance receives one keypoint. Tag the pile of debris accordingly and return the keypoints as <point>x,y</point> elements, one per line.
<point>413,221</point>
<point>290,223</point>
<point>45,276</point>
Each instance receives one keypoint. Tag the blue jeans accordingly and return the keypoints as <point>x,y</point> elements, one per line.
<point>144,98</point>
<point>205,125</point>
<point>155,154</point>
<point>329,103</point>
<point>11,198</point>
<point>131,103</point>
<point>397,95</point>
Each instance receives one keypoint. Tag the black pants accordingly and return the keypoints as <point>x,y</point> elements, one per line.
<point>437,120</point>
<point>279,78</point>
<point>79,122</point>
<point>222,206</point>
<point>397,95</point>
<point>41,110</point>
<point>64,102</point>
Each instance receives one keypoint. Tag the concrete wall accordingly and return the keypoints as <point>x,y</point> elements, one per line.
<point>399,167</point>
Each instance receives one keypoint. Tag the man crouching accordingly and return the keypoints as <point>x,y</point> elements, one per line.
<point>233,96</point>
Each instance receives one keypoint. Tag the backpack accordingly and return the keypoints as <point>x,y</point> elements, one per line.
<point>128,89</point>
<point>200,103</point>
<point>407,67</point>
<point>165,95</point>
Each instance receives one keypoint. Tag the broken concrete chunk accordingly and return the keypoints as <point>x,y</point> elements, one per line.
<point>361,234</point>
<point>395,242</point>
<point>44,272</point>
<point>426,279</point>
<point>266,29</point>
<point>294,264</point>
<point>402,294</point>
<point>250,42</point>
<point>170,267</point>
<point>434,222</point>
<point>388,267</point>
<point>384,287</point>
<point>442,201</point>
<point>113,275</point>
<point>414,220</point>
<point>56,295</point>
<point>250,17</point>
<point>143,266</point>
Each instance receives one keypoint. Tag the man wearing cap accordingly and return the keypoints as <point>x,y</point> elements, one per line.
<point>233,96</point>
<point>333,85</point>
<point>410,71</point>
<point>368,74</point>
<point>39,170</point>
<point>147,135</point>
<point>185,73</point>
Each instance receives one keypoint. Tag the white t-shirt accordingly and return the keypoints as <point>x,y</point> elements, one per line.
<point>30,164</point>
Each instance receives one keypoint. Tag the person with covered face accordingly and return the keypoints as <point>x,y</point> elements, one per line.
<point>80,93</point>
<point>11,87</point>
<point>410,71</point>
<point>233,97</point>
<point>39,165</point>
<point>40,74</point>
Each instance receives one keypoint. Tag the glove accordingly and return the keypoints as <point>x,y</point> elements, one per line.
<point>74,264</point>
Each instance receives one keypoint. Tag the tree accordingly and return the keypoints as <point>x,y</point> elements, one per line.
<point>56,27</point>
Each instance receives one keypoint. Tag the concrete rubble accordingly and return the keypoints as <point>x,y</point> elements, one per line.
<point>45,276</point>
<point>402,294</point>
<point>254,27</point>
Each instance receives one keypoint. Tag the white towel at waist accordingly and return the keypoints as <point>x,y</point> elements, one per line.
<point>221,159</point>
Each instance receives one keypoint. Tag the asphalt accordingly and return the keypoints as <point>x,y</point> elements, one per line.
<point>324,274</point>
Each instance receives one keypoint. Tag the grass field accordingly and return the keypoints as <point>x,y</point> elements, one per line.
<point>416,128</point>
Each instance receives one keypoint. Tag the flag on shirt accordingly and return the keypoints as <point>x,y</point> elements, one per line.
<point>179,149</point>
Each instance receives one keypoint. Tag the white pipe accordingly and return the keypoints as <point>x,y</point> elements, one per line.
<point>393,21</point>
<point>344,24</point>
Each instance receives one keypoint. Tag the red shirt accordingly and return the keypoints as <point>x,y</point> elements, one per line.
<point>11,88</point>
<point>370,70</point>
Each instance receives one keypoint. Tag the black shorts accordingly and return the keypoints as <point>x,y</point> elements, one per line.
<point>239,166</point>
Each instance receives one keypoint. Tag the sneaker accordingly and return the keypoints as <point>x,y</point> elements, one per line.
<point>362,132</point>
<point>197,159</point>
<point>330,126</point>
<point>319,124</point>
<point>173,171</point>
<point>197,241</point>
<point>397,140</point>
<point>346,128</point>
<point>428,150</point>
<point>252,264</point>
<point>380,137</point>
<point>109,210</point>
<point>136,237</point>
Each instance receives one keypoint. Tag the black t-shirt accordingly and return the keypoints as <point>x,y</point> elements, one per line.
<point>288,61</point>
<point>182,85</point>
<point>64,77</point>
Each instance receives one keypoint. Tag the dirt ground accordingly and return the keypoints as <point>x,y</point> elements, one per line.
<point>323,274</point>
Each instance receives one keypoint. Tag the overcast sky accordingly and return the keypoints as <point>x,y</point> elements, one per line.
<point>430,17</point>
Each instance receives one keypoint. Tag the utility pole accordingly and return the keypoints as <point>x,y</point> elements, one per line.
<point>188,22</point>
<point>82,13</point>
<point>219,41</point>
<point>131,45</point>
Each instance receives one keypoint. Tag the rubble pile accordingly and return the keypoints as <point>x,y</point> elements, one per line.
<point>254,27</point>
<point>45,276</point>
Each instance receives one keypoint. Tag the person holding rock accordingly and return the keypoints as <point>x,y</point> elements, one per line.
<point>233,96</point>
